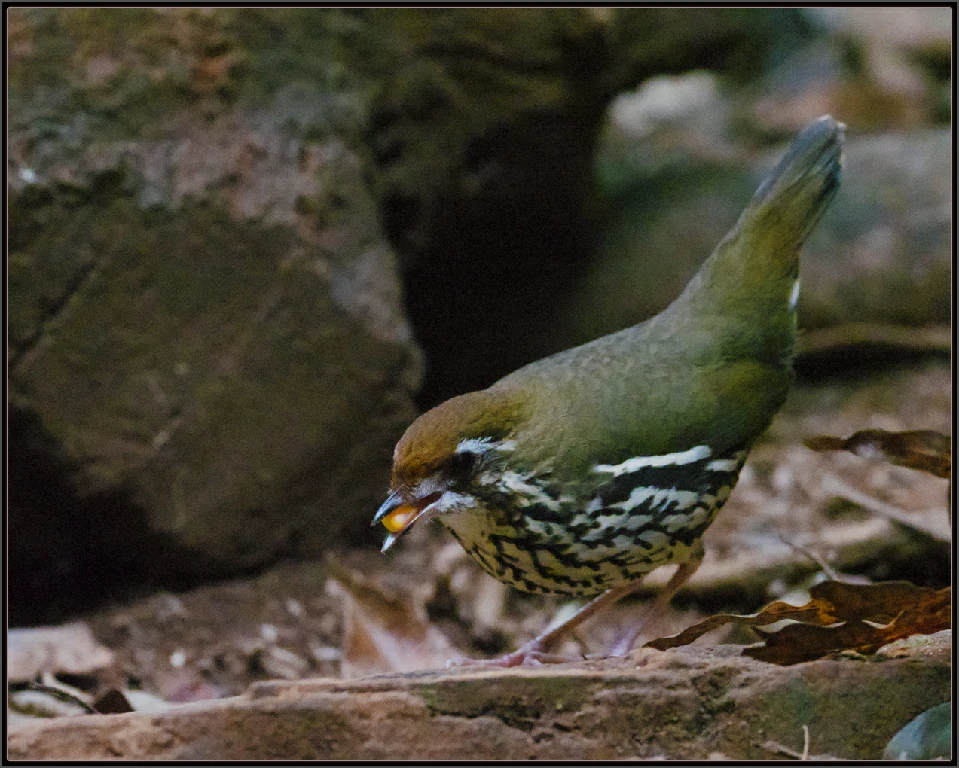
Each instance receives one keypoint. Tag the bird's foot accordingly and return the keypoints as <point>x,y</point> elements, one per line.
<point>623,645</point>
<point>529,655</point>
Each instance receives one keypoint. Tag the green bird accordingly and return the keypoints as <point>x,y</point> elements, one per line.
<point>581,472</point>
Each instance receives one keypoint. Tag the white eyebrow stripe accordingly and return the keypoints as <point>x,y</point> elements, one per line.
<point>698,453</point>
<point>481,445</point>
<point>474,445</point>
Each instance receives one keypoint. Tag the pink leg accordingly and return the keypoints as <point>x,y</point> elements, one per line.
<point>625,643</point>
<point>536,650</point>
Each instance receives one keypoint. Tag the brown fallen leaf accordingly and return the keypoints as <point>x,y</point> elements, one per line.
<point>838,617</point>
<point>922,449</point>
<point>112,702</point>
<point>383,630</point>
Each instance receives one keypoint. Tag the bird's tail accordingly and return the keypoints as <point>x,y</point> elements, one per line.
<point>752,276</point>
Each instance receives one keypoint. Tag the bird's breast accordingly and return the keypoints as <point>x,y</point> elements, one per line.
<point>541,535</point>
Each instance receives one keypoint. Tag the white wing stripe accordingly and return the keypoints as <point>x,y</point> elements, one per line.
<point>636,463</point>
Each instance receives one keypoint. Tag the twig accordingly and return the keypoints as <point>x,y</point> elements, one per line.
<point>817,559</point>
<point>775,746</point>
<point>842,338</point>
<point>833,484</point>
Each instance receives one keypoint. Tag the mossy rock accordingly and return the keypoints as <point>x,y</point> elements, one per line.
<point>209,360</point>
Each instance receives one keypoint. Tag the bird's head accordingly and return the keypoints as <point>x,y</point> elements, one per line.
<point>438,461</point>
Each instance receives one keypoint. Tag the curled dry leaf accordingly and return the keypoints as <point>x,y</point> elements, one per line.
<point>922,449</point>
<point>838,617</point>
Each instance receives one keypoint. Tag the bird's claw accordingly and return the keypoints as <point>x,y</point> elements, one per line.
<point>530,655</point>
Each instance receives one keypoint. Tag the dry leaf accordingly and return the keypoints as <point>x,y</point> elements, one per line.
<point>918,449</point>
<point>384,632</point>
<point>69,648</point>
<point>838,617</point>
<point>112,702</point>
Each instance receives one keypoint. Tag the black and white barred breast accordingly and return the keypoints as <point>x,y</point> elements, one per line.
<point>640,514</point>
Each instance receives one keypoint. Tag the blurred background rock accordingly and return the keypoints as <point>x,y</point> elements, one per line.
<point>247,245</point>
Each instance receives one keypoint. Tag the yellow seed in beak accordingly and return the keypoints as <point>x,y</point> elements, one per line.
<point>400,517</point>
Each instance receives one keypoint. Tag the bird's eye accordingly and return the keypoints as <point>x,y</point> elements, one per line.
<point>462,463</point>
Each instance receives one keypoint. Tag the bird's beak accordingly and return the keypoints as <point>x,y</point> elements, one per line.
<point>398,515</point>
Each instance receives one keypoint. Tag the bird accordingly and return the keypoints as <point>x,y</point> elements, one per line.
<point>579,473</point>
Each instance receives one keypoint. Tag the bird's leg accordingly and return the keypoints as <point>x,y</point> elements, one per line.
<point>536,651</point>
<point>625,643</point>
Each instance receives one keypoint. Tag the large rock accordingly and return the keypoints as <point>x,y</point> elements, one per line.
<point>209,363</point>
<point>693,703</point>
